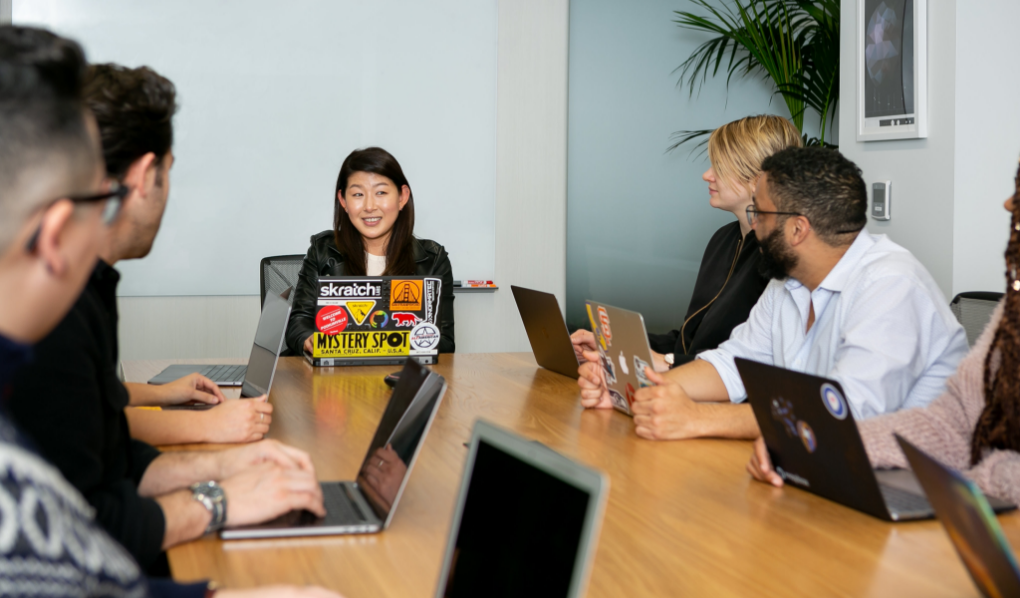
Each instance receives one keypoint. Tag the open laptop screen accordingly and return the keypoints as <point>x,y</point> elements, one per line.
<point>396,440</point>
<point>520,533</point>
<point>267,346</point>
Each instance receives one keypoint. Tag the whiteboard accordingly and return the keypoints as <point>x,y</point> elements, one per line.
<point>274,95</point>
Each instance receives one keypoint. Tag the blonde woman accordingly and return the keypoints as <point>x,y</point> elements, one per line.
<point>728,283</point>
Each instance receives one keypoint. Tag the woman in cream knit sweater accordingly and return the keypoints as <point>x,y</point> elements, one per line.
<point>974,426</point>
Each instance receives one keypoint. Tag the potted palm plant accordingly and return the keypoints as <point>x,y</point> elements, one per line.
<point>794,43</point>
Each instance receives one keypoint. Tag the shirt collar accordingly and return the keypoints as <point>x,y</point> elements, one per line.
<point>837,278</point>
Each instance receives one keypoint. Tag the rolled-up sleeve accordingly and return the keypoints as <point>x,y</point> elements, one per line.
<point>751,340</point>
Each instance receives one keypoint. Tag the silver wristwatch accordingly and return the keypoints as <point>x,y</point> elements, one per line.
<point>668,358</point>
<point>211,495</point>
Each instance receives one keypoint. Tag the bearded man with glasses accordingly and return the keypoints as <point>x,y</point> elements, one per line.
<point>842,304</point>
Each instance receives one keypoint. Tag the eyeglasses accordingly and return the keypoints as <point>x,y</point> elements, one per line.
<point>114,198</point>
<point>753,212</point>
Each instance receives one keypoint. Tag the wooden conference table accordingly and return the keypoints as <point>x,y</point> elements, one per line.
<point>683,518</point>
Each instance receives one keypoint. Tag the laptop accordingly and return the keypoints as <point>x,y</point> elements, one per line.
<point>970,523</point>
<point>622,344</point>
<point>814,444</point>
<point>376,320</point>
<point>550,339</point>
<point>367,504</point>
<point>526,522</point>
<point>264,353</point>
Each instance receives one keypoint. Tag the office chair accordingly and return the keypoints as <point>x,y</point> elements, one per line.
<point>973,310</point>
<point>278,272</point>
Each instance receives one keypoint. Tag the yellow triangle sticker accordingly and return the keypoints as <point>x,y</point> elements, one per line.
<point>360,310</point>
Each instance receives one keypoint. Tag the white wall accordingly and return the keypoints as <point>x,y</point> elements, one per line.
<point>531,115</point>
<point>948,188</point>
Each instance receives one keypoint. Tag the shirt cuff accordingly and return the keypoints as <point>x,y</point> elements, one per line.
<point>727,368</point>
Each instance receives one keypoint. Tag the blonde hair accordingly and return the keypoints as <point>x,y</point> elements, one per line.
<point>737,149</point>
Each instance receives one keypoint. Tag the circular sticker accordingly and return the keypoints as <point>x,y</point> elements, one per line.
<point>807,436</point>
<point>834,401</point>
<point>331,319</point>
<point>424,337</point>
<point>379,319</point>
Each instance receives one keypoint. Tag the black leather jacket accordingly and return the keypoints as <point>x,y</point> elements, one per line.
<point>324,259</point>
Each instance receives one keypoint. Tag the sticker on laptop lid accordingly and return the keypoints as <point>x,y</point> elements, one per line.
<point>608,368</point>
<point>405,319</point>
<point>424,337</point>
<point>630,394</point>
<point>606,330</point>
<point>360,310</point>
<point>379,319</point>
<point>834,401</point>
<point>331,319</point>
<point>591,318</point>
<point>618,401</point>
<point>807,436</point>
<point>639,371</point>
<point>405,295</point>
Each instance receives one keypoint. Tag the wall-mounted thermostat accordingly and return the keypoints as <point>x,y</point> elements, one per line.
<point>881,200</point>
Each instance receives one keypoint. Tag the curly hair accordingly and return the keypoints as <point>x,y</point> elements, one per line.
<point>821,185</point>
<point>999,424</point>
<point>134,109</point>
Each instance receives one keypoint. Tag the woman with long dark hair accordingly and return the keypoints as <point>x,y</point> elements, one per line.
<point>975,425</point>
<point>372,235</point>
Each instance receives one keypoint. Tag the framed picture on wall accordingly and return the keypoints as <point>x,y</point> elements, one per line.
<point>892,69</point>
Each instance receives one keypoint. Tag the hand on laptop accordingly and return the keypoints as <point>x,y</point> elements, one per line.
<point>760,466</point>
<point>664,411</point>
<point>236,460</point>
<point>193,387</point>
<point>266,491</point>
<point>592,380</point>
<point>238,420</point>
<point>308,344</point>
<point>583,340</point>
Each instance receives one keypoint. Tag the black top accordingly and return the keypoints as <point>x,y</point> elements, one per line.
<point>324,259</point>
<point>71,403</point>
<point>721,300</point>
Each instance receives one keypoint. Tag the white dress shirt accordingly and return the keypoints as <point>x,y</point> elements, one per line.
<point>882,329</point>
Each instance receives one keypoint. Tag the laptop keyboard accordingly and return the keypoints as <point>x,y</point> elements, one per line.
<point>901,501</point>
<point>339,508</point>
<point>226,373</point>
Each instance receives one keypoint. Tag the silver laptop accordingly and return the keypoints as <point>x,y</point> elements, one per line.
<point>366,505</point>
<point>550,339</point>
<point>264,352</point>
<point>526,523</point>
<point>622,344</point>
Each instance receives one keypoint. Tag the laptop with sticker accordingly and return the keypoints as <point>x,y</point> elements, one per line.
<point>623,349</point>
<point>366,505</point>
<point>814,444</point>
<point>547,331</point>
<point>970,523</point>
<point>526,522</point>
<point>376,320</point>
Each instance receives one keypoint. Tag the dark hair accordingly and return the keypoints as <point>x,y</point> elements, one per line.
<point>134,109</point>
<point>823,186</point>
<point>42,119</point>
<point>999,424</point>
<point>400,250</point>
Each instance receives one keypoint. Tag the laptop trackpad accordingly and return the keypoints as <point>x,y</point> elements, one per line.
<point>901,479</point>
<point>904,479</point>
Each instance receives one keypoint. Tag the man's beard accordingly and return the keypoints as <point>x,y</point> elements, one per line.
<point>777,259</point>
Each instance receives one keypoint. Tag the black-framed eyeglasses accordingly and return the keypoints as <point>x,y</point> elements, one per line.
<point>114,198</point>
<point>753,212</point>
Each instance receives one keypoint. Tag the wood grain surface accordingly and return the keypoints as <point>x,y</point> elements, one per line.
<point>683,518</point>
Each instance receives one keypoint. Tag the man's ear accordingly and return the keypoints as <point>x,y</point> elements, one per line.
<point>49,243</point>
<point>799,229</point>
<point>340,198</point>
<point>141,175</point>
